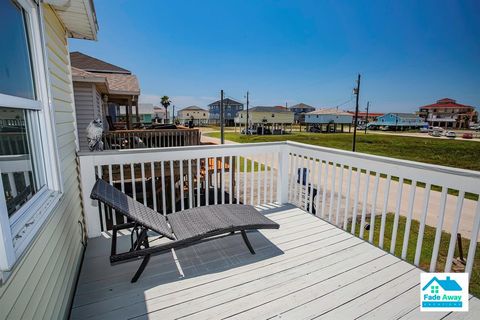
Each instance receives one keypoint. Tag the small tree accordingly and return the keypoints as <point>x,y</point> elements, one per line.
<point>165,102</point>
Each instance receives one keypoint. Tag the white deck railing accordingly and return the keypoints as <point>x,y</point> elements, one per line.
<point>351,190</point>
<point>151,138</point>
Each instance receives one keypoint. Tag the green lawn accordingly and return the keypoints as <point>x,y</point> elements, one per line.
<point>456,153</point>
<point>428,240</point>
<point>256,165</point>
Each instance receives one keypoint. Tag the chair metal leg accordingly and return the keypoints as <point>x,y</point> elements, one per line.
<point>139,272</point>
<point>247,242</point>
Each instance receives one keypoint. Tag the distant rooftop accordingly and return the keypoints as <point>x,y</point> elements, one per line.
<point>193,108</point>
<point>445,103</point>
<point>274,109</point>
<point>334,111</point>
<point>301,106</point>
<point>406,115</point>
<point>226,101</point>
<point>364,114</point>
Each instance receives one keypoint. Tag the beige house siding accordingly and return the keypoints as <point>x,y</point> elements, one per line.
<point>197,114</point>
<point>87,108</point>
<point>258,117</point>
<point>41,285</point>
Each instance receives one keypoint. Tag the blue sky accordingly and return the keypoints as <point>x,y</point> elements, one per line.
<point>409,53</point>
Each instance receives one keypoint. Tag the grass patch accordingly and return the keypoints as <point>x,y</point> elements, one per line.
<point>453,153</point>
<point>427,247</point>
<point>256,165</point>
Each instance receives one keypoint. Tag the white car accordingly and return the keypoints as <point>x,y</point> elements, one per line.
<point>450,134</point>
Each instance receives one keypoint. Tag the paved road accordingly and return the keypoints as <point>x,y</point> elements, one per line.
<point>425,135</point>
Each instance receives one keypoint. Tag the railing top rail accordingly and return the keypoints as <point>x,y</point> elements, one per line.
<point>392,161</point>
<point>154,130</point>
<point>179,149</point>
<point>394,166</point>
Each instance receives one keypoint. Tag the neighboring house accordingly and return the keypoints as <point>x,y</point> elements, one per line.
<point>276,118</point>
<point>363,119</point>
<point>102,89</point>
<point>447,113</point>
<point>159,114</point>
<point>42,233</point>
<point>230,107</point>
<point>330,117</point>
<point>300,110</point>
<point>197,114</point>
<point>398,121</point>
<point>145,114</point>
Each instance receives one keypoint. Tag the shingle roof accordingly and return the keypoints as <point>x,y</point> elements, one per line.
<point>334,111</point>
<point>119,80</point>
<point>226,101</point>
<point>85,74</point>
<point>123,83</point>
<point>85,62</point>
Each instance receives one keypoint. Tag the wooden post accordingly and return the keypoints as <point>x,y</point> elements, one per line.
<point>136,113</point>
<point>128,110</point>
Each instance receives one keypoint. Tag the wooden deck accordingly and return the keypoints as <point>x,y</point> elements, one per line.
<point>307,269</point>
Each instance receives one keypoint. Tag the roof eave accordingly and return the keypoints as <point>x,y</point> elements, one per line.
<point>71,18</point>
<point>125,93</point>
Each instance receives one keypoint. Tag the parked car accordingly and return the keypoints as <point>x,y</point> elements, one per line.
<point>467,135</point>
<point>424,130</point>
<point>250,131</point>
<point>436,132</point>
<point>450,134</point>
<point>314,129</point>
<point>263,131</point>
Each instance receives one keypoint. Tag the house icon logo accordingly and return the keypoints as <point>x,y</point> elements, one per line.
<point>444,292</point>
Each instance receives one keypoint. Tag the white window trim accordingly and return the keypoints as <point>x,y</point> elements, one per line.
<point>18,232</point>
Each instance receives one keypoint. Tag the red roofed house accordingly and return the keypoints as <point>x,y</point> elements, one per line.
<point>447,113</point>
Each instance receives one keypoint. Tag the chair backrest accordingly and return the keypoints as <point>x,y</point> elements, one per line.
<point>132,209</point>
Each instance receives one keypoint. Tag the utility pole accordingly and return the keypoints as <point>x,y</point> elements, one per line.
<point>247,127</point>
<point>356,91</point>
<point>222,124</point>
<point>366,118</point>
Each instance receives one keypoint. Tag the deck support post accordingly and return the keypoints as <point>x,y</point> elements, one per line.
<point>282,177</point>
<point>90,207</point>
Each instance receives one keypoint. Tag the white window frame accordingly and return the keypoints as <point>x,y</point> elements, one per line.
<point>17,232</point>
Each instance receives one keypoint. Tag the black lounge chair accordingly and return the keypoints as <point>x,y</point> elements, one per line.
<point>185,228</point>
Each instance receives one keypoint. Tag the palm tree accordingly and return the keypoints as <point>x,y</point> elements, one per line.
<point>165,102</point>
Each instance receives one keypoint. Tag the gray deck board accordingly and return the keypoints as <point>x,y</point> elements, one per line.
<point>306,269</point>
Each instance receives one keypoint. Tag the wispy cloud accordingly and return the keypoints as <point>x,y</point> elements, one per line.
<point>180,102</point>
